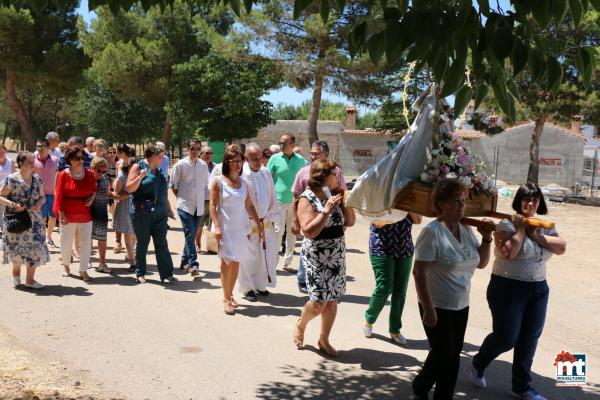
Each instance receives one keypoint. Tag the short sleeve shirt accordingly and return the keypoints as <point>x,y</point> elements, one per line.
<point>530,264</point>
<point>454,263</point>
<point>284,171</point>
<point>392,240</point>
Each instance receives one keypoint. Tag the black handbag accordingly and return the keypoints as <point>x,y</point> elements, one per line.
<point>18,222</point>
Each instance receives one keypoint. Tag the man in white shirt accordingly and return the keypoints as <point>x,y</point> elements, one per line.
<point>256,275</point>
<point>189,177</point>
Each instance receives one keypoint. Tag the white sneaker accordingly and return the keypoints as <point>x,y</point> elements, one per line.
<point>16,281</point>
<point>398,339</point>
<point>368,331</point>
<point>35,285</point>
<point>531,394</point>
<point>477,378</point>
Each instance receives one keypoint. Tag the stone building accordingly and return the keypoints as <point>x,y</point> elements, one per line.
<point>561,153</point>
<point>355,149</point>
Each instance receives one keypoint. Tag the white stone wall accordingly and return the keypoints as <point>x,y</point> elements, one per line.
<point>561,155</point>
<point>355,152</point>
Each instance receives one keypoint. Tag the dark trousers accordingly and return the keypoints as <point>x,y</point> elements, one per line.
<point>152,224</point>
<point>443,361</point>
<point>191,224</point>
<point>518,314</point>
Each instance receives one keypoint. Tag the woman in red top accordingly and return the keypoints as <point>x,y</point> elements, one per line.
<point>75,192</point>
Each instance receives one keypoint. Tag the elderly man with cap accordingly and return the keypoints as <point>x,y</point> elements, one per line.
<point>259,273</point>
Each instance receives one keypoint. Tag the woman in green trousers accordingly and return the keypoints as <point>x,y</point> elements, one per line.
<point>391,249</point>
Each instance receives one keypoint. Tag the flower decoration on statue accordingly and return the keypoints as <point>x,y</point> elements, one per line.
<point>452,159</point>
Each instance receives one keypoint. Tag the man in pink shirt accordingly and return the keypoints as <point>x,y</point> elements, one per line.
<point>318,150</point>
<point>46,166</point>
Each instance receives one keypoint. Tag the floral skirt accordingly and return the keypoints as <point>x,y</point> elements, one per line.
<point>325,263</point>
<point>27,247</point>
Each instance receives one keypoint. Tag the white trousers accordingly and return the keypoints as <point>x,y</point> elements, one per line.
<point>286,221</point>
<point>67,233</point>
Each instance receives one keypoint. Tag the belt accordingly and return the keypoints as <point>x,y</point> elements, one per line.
<point>266,226</point>
<point>332,232</point>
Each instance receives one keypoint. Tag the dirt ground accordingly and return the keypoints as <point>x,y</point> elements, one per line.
<point>114,339</point>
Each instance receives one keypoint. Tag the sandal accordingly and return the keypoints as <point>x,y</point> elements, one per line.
<point>298,336</point>
<point>140,279</point>
<point>104,268</point>
<point>327,349</point>
<point>66,271</point>
<point>228,308</point>
<point>84,276</point>
<point>234,303</point>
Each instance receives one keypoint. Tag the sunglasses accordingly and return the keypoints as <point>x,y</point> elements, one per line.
<point>194,149</point>
<point>100,171</point>
<point>207,152</point>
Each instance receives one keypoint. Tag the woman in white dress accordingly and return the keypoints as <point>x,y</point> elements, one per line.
<point>230,207</point>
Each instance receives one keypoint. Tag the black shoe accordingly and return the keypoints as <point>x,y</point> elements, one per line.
<point>302,287</point>
<point>169,280</point>
<point>263,292</point>
<point>250,296</point>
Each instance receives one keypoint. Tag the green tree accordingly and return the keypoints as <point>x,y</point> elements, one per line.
<point>556,96</point>
<point>41,62</point>
<point>314,53</point>
<point>113,118</point>
<point>222,98</point>
<point>441,34</point>
<point>134,53</point>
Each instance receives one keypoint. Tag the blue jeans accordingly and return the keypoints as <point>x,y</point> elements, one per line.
<point>518,313</point>
<point>190,224</point>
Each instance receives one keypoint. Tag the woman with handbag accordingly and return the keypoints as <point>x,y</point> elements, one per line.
<point>25,238</point>
<point>7,167</point>
<point>75,192</point>
<point>148,187</point>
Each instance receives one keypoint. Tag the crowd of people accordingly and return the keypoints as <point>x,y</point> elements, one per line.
<point>258,200</point>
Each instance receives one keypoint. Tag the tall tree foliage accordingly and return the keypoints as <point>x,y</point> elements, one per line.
<point>440,34</point>
<point>134,52</point>
<point>314,52</point>
<point>222,98</point>
<point>41,62</point>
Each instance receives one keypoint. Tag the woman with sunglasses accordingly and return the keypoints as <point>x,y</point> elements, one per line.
<point>148,187</point>
<point>75,192</point>
<point>230,209</point>
<point>24,190</point>
<point>100,215</point>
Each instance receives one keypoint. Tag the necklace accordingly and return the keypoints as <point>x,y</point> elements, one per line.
<point>78,176</point>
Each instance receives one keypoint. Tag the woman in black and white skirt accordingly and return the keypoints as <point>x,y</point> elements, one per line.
<point>323,217</point>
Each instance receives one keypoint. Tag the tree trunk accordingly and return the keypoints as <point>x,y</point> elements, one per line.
<point>5,133</point>
<point>534,150</point>
<point>313,118</point>
<point>166,135</point>
<point>28,132</point>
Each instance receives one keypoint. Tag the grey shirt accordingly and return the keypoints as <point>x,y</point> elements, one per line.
<point>530,264</point>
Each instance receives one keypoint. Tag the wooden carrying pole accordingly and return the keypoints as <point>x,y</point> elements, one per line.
<point>538,223</point>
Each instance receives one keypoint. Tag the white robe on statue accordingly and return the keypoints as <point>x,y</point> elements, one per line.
<point>255,275</point>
